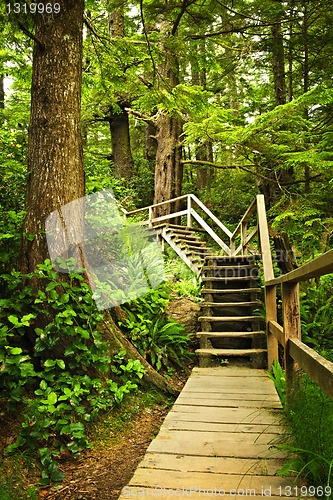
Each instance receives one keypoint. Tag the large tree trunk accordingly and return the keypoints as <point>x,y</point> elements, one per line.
<point>2,91</point>
<point>55,157</point>
<point>168,172</point>
<point>118,119</point>
<point>121,146</point>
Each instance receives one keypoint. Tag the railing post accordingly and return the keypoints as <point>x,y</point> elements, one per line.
<point>243,237</point>
<point>271,315</point>
<point>189,206</point>
<point>232,246</point>
<point>270,292</point>
<point>150,217</point>
<point>291,327</point>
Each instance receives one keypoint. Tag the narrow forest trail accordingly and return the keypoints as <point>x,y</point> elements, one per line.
<point>218,440</point>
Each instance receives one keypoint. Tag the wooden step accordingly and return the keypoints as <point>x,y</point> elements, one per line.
<point>230,334</point>
<point>186,228</point>
<point>230,318</point>
<point>198,248</point>
<point>227,258</point>
<point>230,290</point>
<point>231,304</point>
<point>191,242</point>
<point>227,278</point>
<point>230,266</point>
<point>180,232</point>
<point>229,352</point>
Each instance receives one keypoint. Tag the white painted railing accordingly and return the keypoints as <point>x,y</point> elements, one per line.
<point>191,215</point>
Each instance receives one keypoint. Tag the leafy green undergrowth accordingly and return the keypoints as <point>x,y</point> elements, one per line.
<point>65,378</point>
<point>309,433</point>
<point>310,417</point>
<point>187,283</point>
<point>159,339</point>
<point>317,315</point>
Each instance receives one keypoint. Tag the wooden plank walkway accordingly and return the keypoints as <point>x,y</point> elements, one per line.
<point>217,441</point>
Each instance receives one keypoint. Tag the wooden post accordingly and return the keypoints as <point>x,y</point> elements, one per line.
<point>189,206</point>
<point>150,216</point>
<point>271,315</point>
<point>270,292</point>
<point>243,237</point>
<point>291,327</point>
<point>232,246</point>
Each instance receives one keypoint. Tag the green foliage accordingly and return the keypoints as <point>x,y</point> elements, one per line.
<point>67,395</point>
<point>13,174</point>
<point>310,417</point>
<point>279,380</point>
<point>305,223</point>
<point>157,337</point>
<point>317,315</point>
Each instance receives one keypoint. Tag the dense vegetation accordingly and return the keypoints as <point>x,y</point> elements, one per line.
<point>224,100</point>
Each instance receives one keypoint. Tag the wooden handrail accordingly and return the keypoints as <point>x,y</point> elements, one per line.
<point>245,218</point>
<point>157,204</point>
<point>296,353</point>
<point>211,215</point>
<point>191,213</point>
<point>317,267</point>
<point>211,233</point>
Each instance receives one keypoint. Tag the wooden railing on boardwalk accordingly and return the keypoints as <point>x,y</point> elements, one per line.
<point>296,353</point>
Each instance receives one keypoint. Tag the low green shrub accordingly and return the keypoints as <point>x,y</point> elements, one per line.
<point>310,418</point>
<point>309,432</point>
<point>158,338</point>
<point>317,314</point>
<point>67,368</point>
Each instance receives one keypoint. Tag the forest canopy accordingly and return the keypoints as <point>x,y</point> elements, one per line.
<point>220,99</point>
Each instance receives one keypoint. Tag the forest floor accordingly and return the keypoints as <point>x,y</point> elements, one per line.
<point>119,441</point>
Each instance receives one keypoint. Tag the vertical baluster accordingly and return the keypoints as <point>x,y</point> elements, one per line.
<point>291,327</point>
<point>189,206</point>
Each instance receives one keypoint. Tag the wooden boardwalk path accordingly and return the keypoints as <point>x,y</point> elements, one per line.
<point>217,441</point>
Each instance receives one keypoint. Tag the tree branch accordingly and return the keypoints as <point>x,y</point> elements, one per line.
<point>148,119</point>
<point>226,167</point>
<point>33,37</point>
<point>241,167</point>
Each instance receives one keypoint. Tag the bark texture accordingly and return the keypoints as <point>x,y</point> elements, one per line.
<point>118,119</point>
<point>168,172</point>
<point>55,156</point>
<point>121,145</point>
<point>2,92</point>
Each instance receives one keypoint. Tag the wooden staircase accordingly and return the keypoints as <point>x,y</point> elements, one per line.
<point>229,328</point>
<point>185,242</point>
